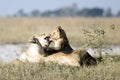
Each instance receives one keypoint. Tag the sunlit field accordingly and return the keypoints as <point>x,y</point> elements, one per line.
<point>19,30</point>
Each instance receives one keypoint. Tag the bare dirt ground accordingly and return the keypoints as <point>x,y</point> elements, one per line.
<point>9,52</point>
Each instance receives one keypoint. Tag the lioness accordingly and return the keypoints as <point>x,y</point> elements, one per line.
<point>34,51</point>
<point>61,42</point>
<point>75,58</point>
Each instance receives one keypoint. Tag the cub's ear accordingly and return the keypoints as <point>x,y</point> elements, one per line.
<point>59,28</point>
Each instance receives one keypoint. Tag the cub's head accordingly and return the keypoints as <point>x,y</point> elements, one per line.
<point>43,39</point>
<point>58,33</point>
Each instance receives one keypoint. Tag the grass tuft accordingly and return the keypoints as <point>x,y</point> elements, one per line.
<point>108,69</point>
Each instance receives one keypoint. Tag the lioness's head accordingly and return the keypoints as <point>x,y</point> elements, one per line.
<point>58,33</point>
<point>43,39</point>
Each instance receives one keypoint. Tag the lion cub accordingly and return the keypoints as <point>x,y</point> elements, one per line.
<point>61,42</point>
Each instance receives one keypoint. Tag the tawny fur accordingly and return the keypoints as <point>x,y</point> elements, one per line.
<point>75,58</point>
<point>34,51</point>
<point>61,42</point>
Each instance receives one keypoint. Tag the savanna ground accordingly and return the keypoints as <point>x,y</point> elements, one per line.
<point>19,30</point>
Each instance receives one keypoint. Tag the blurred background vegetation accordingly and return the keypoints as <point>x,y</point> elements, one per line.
<point>68,11</point>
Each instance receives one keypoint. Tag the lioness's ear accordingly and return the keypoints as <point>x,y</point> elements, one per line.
<point>31,39</point>
<point>49,34</point>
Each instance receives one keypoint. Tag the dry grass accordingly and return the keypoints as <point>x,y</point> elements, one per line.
<point>16,30</point>
<point>108,69</point>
